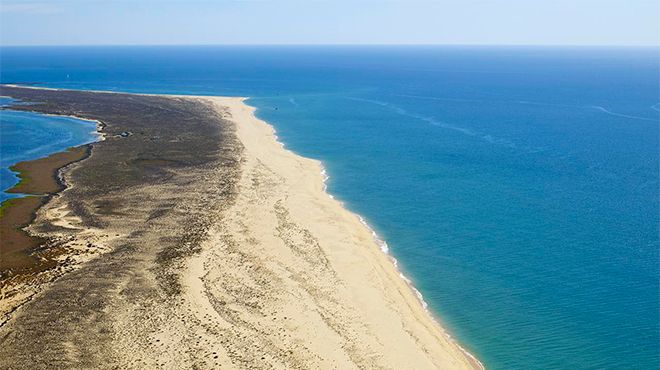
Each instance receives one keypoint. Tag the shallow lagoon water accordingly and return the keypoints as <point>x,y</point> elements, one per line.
<point>26,135</point>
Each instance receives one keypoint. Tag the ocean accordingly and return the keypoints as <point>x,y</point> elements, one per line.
<point>516,186</point>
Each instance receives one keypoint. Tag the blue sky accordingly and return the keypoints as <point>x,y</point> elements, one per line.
<point>537,22</point>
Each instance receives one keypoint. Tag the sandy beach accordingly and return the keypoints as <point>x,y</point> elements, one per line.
<point>203,255</point>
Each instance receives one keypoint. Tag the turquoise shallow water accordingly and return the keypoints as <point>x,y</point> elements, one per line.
<point>518,187</point>
<point>26,135</point>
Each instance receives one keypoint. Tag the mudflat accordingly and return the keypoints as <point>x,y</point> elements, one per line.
<point>40,176</point>
<point>39,179</point>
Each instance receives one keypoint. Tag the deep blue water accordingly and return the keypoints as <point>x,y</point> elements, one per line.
<point>27,135</point>
<point>518,187</point>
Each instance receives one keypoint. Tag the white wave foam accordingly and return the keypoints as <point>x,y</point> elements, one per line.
<point>324,175</point>
<point>380,242</point>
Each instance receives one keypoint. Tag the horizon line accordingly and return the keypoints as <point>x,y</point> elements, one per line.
<point>345,44</point>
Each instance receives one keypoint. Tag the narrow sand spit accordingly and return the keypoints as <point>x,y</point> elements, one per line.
<point>197,242</point>
<point>290,268</point>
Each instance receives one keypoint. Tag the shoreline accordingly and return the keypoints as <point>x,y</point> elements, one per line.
<point>378,241</point>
